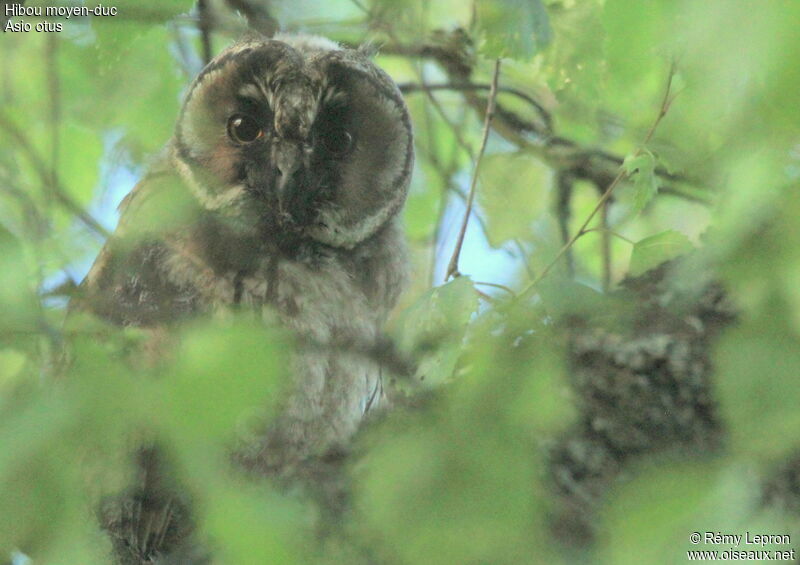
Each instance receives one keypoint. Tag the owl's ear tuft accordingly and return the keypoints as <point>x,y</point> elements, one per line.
<point>370,48</point>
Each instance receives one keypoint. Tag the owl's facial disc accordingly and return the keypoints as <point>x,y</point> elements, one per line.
<point>297,137</point>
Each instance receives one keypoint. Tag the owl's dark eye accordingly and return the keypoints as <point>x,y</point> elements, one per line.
<point>244,129</point>
<point>338,142</point>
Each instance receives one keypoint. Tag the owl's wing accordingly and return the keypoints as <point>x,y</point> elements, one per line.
<point>149,522</point>
<point>128,284</point>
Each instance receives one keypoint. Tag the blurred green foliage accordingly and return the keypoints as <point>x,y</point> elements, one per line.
<point>461,480</point>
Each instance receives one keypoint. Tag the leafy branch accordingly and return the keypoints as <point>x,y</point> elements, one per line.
<point>453,52</point>
<point>623,174</point>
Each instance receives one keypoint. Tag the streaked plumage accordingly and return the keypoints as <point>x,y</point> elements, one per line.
<point>279,192</point>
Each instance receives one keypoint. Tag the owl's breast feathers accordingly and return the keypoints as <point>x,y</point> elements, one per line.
<point>149,275</point>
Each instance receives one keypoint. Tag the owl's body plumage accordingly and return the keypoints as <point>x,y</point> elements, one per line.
<point>280,193</point>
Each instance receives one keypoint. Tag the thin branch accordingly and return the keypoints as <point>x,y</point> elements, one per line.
<point>610,232</point>
<point>617,160</point>
<point>605,245</point>
<point>47,177</point>
<point>464,197</point>
<point>523,256</point>
<point>436,104</point>
<point>662,111</point>
<point>446,119</point>
<point>564,186</point>
<point>495,285</point>
<point>33,221</point>
<point>586,163</point>
<point>183,52</point>
<point>409,87</point>
<point>54,93</point>
<point>486,297</point>
<point>204,25</point>
<point>452,268</point>
<point>361,7</point>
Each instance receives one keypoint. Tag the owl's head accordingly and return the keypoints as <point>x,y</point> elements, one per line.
<point>307,137</point>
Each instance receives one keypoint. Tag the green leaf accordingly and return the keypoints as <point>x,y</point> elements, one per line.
<point>221,375</point>
<point>17,301</point>
<point>432,329</point>
<point>638,42</point>
<point>143,104</point>
<point>650,519</point>
<point>11,363</point>
<point>268,529</point>
<point>80,162</point>
<point>437,492</point>
<point>759,361</point>
<point>650,252</point>
<point>641,168</point>
<point>513,192</point>
<point>512,28</point>
<point>571,63</point>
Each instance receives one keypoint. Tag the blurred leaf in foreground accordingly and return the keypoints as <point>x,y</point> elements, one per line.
<point>512,28</point>
<point>432,329</point>
<point>650,252</point>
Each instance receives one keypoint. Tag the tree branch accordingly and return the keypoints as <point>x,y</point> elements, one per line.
<point>204,25</point>
<point>595,165</point>
<point>49,179</point>
<point>662,111</point>
<point>410,87</point>
<point>452,268</point>
<point>605,245</point>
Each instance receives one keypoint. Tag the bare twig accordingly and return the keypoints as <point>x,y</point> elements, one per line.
<point>564,187</point>
<point>464,197</point>
<point>48,178</point>
<point>495,285</point>
<point>185,54</point>
<point>361,7</point>
<point>486,297</point>
<point>204,25</point>
<point>452,267</point>
<point>54,93</point>
<point>662,111</point>
<point>605,245</point>
<point>522,254</point>
<point>409,87</point>
<point>610,232</point>
<point>34,222</point>
<point>446,119</point>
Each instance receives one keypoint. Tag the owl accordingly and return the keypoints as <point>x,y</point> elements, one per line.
<point>279,193</point>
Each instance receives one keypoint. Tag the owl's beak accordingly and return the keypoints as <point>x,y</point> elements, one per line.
<point>289,160</point>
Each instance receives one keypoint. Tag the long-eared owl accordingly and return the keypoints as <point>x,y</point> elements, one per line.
<point>280,191</point>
